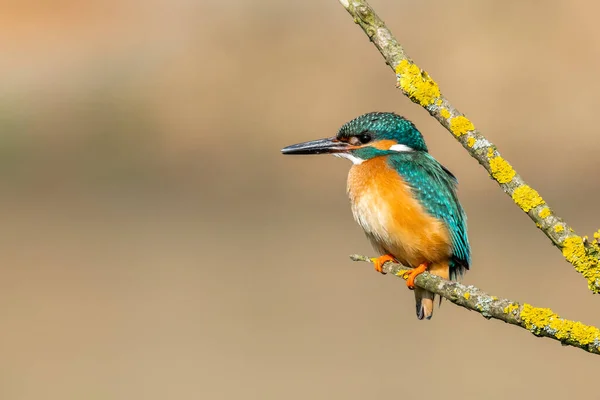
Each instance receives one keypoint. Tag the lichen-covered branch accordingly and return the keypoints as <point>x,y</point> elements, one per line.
<point>421,89</point>
<point>539,321</point>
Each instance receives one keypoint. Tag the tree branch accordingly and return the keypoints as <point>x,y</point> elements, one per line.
<point>539,321</point>
<point>421,89</point>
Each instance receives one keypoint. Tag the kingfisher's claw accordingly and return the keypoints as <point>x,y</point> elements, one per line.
<point>379,261</point>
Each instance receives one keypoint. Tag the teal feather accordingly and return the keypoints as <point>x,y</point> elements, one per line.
<point>385,126</point>
<point>435,188</point>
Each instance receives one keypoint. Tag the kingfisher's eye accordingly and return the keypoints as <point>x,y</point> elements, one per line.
<point>363,138</point>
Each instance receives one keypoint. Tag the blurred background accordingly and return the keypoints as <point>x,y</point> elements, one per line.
<point>155,244</point>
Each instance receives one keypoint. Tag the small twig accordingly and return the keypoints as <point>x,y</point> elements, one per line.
<point>539,321</point>
<point>421,89</point>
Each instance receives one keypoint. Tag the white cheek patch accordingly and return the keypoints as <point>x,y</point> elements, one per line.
<point>401,148</point>
<point>355,160</point>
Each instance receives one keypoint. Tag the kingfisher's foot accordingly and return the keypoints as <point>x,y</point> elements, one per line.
<point>410,281</point>
<point>379,261</point>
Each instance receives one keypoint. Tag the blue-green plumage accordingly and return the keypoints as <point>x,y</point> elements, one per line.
<point>384,125</point>
<point>435,188</point>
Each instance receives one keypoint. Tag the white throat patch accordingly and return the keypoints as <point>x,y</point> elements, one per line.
<point>401,148</point>
<point>355,160</point>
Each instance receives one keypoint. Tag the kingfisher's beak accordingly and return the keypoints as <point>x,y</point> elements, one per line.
<point>321,146</point>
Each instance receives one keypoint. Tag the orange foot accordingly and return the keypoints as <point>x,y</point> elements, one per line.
<point>379,261</point>
<point>410,281</point>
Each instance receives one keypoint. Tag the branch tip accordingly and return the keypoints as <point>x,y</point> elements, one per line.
<point>539,321</point>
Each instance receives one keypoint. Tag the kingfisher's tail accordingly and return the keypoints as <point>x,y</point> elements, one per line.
<point>423,298</point>
<point>424,303</point>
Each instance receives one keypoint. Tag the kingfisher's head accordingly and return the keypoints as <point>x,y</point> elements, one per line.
<point>365,137</point>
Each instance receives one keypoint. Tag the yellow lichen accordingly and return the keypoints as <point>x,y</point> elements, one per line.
<point>445,113</point>
<point>460,125</point>
<point>403,273</point>
<point>471,142</point>
<point>527,198</point>
<point>511,308</point>
<point>544,212</point>
<point>467,295</point>
<point>544,320</point>
<point>439,102</point>
<point>597,235</point>
<point>501,170</point>
<point>538,225</point>
<point>559,228</point>
<point>416,83</point>
<point>574,251</point>
<point>490,152</point>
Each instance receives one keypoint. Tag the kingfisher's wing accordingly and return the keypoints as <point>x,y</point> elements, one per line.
<point>435,187</point>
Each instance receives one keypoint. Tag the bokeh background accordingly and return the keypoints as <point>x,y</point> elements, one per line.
<point>156,245</point>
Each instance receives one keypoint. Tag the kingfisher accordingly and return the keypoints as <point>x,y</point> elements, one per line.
<point>402,197</point>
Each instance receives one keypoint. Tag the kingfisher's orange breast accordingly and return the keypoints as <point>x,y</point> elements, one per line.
<point>394,220</point>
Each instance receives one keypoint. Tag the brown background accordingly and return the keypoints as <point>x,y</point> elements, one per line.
<point>156,245</point>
